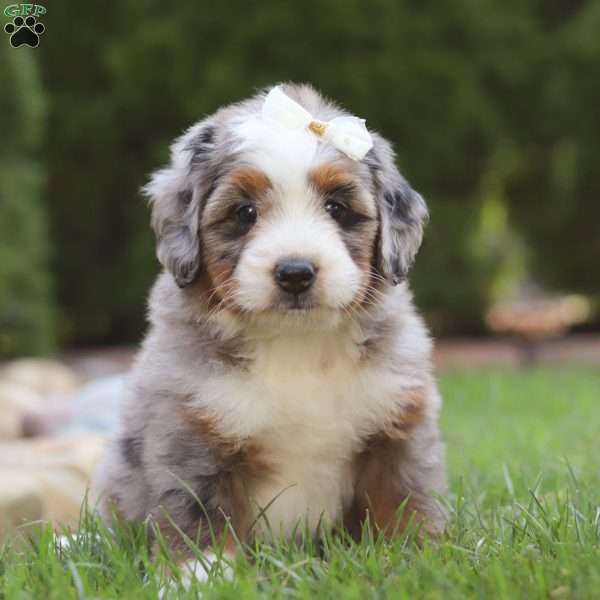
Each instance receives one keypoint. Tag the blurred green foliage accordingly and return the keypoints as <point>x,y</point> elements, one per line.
<point>26,307</point>
<point>492,106</point>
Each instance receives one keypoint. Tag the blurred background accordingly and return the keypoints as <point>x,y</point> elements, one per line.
<point>492,107</point>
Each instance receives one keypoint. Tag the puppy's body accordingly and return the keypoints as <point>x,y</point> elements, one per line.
<point>253,404</point>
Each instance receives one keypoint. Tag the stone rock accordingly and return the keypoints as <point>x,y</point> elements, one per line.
<point>44,376</point>
<point>46,478</point>
<point>64,489</point>
<point>92,364</point>
<point>21,499</point>
<point>96,405</point>
<point>11,419</point>
<point>78,453</point>
<point>93,407</point>
<point>47,419</point>
<point>15,401</point>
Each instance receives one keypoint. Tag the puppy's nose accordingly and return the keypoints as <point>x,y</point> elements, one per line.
<point>294,275</point>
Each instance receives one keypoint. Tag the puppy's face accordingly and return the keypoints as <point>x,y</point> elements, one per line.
<point>291,245</point>
<point>278,223</point>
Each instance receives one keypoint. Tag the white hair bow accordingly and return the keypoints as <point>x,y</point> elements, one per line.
<point>347,134</point>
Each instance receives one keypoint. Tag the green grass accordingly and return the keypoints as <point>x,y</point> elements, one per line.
<point>524,462</point>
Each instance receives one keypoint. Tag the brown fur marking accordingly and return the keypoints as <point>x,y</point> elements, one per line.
<point>243,457</point>
<point>222,254</point>
<point>329,177</point>
<point>413,413</point>
<point>206,426</point>
<point>377,495</point>
<point>251,181</point>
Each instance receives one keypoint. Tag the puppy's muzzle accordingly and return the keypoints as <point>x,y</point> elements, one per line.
<point>295,275</point>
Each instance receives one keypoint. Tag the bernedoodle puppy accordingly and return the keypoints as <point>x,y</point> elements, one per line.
<point>286,378</point>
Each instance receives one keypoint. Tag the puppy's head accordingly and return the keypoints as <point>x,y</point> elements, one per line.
<point>276,222</point>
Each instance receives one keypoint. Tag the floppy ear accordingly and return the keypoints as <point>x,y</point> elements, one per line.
<point>402,213</point>
<point>176,195</point>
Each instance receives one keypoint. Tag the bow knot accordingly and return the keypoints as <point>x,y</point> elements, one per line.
<point>317,127</point>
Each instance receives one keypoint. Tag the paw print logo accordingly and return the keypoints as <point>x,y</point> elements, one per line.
<point>24,32</point>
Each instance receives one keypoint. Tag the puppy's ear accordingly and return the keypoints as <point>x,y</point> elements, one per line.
<point>176,195</point>
<point>402,213</point>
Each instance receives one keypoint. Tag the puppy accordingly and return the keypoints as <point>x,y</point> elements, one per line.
<point>286,378</point>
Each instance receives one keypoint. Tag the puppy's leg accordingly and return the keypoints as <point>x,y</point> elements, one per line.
<point>119,486</point>
<point>213,520</point>
<point>213,563</point>
<point>404,466</point>
<point>188,507</point>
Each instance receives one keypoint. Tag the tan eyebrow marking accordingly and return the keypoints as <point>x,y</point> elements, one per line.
<point>329,177</point>
<point>251,181</point>
<point>243,184</point>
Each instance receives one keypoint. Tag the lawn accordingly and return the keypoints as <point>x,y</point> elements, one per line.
<point>524,463</point>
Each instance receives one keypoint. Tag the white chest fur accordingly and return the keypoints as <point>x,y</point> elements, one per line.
<point>309,402</point>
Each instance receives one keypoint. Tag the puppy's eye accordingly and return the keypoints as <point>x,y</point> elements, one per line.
<point>336,210</point>
<point>246,215</point>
